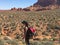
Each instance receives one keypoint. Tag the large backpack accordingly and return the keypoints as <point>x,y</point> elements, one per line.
<point>32,30</point>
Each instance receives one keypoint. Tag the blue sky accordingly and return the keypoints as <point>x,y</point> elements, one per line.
<point>7,4</point>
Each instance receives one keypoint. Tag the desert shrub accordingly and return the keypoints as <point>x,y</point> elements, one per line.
<point>13,24</point>
<point>54,26</point>
<point>45,33</point>
<point>12,42</point>
<point>42,43</point>
<point>53,39</point>
<point>56,32</point>
<point>13,28</point>
<point>57,27</point>
<point>23,41</point>
<point>48,43</point>
<point>36,43</point>
<point>11,16</point>
<point>0,29</point>
<point>6,26</point>
<point>18,36</point>
<point>38,25</point>
<point>54,35</point>
<point>7,40</point>
<point>45,39</point>
<point>1,42</point>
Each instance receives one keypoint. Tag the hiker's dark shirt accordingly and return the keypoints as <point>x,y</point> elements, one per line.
<point>28,33</point>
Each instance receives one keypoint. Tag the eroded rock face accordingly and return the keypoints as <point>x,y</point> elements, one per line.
<point>14,8</point>
<point>58,2</point>
<point>44,3</point>
<point>41,5</point>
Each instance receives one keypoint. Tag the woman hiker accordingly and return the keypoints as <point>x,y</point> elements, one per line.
<point>27,32</point>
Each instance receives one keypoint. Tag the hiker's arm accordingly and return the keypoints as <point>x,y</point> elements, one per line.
<point>25,30</point>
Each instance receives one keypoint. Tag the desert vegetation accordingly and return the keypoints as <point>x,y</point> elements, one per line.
<point>46,23</point>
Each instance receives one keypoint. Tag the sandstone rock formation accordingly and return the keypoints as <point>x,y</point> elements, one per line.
<point>41,5</point>
<point>26,9</point>
<point>16,9</point>
<point>45,5</point>
<point>19,9</point>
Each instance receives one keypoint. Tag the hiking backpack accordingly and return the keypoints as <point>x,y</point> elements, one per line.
<point>32,30</point>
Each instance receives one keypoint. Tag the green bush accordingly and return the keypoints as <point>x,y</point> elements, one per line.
<point>42,43</point>
<point>45,39</point>
<point>1,42</point>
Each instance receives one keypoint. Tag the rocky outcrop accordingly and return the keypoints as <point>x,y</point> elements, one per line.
<point>45,3</point>
<point>16,9</point>
<point>19,9</point>
<point>26,9</point>
<point>41,5</point>
<point>58,2</point>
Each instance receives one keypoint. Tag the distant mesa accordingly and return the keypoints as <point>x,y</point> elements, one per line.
<point>41,5</point>
<point>26,9</point>
<point>16,9</point>
<point>19,9</point>
<point>45,3</point>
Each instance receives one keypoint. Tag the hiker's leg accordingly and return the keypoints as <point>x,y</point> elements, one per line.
<point>27,41</point>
